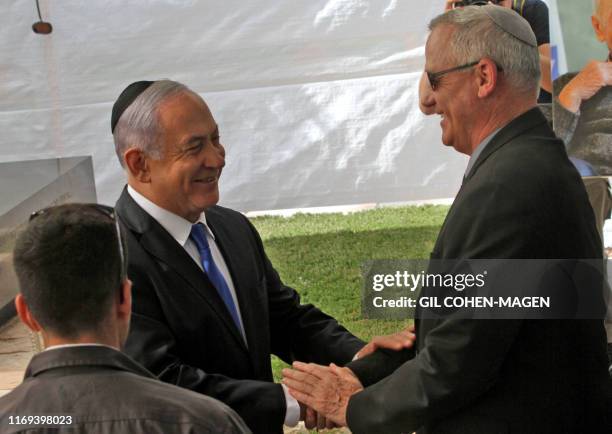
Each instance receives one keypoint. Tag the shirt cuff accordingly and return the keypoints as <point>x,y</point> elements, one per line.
<point>292,417</point>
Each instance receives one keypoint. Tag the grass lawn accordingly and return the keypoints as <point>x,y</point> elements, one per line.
<point>320,255</point>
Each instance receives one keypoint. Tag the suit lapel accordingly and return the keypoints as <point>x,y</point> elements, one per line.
<point>242,282</point>
<point>530,119</point>
<point>160,244</point>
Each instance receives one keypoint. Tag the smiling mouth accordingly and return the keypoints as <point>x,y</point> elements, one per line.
<point>207,179</point>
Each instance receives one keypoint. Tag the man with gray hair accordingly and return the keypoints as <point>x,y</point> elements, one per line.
<point>535,13</point>
<point>209,308</point>
<point>521,198</point>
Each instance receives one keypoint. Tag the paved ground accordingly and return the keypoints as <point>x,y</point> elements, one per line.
<point>301,429</point>
<point>17,346</point>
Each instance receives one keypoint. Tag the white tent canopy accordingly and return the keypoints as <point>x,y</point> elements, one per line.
<point>316,99</point>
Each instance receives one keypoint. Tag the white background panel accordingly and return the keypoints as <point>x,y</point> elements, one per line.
<point>316,100</point>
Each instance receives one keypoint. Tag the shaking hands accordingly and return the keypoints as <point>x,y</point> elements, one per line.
<point>324,391</point>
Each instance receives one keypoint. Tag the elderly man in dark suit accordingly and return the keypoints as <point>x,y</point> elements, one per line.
<point>521,199</point>
<point>70,262</point>
<point>209,308</point>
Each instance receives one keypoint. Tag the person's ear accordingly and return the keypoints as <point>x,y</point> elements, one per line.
<point>124,306</point>
<point>487,77</point>
<point>598,28</point>
<point>137,165</point>
<point>123,312</point>
<point>25,315</point>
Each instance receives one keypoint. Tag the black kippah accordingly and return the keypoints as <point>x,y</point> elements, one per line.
<point>126,98</point>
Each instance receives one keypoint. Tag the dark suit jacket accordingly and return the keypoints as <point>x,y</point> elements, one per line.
<point>522,199</point>
<point>182,331</point>
<point>104,391</point>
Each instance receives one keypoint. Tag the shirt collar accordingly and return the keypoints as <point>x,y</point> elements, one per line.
<point>177,226</point>
<point>481,146</point>
<point>93,344</point>
<point>88,355</point>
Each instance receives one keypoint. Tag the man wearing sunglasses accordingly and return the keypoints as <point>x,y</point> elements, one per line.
<point>521,198</point>
<point>70,262</point>
<point>536,14</point>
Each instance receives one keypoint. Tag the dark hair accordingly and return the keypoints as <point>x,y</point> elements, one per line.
<point>69,267</point>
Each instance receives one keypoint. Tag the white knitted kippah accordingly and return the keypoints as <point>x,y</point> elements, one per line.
<point>511,22</point>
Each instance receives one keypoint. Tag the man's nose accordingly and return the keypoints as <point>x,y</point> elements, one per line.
<point>214,156</point>
<point>427,101</point>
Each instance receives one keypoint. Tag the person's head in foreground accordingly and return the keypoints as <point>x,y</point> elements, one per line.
<point>70,262</point>
<point>71,266</point>
<point>168,142</point>
<point>481,71</point>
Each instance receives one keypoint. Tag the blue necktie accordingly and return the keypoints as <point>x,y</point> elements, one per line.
<point>198,236</point>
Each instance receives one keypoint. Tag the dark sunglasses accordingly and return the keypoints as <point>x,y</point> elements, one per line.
<point>106,211</point>
<point>434,77</point>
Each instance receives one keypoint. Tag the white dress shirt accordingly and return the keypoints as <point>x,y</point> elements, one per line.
<point>179,229</point>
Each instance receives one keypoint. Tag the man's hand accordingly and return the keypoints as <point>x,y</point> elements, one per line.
<point>308,415</point>
<point>545,68</point>
<point>327,390</point>
<point>449,5</point>
<point>396,341</point>
<point>587,83</point>
<point>314,420</point>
